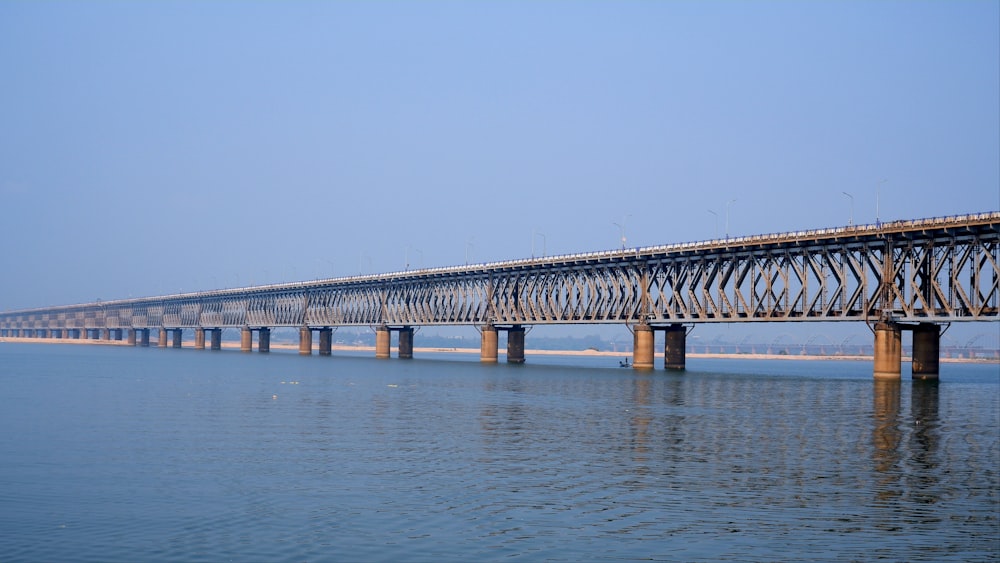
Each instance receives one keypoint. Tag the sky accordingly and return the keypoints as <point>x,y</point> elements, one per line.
<point>149,148</point>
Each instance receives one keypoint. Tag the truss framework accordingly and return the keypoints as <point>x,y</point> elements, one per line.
<point>932,270</point>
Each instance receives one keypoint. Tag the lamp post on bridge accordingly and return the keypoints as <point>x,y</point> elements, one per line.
<point>468,244</point>
<point>850,223</point>
<point>621,227</point>
<point>534,234</point>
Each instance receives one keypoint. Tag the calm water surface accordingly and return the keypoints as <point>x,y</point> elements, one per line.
<point>123,454</point>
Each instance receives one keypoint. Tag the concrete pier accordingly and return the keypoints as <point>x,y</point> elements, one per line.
<point>131,336</point>
<point>382,338</point>
<point>162,343</point>
<point>642,346</point>
<point>488,346</point>
<point>926,351</point>
<point>675,342</point>
<point>105,334</point>
<point>246,339</point>
<point>199,338</point>
<point>888,350</point>
<point>216,338</point>
<point>515,345</point>
<point>305,341</point>
<point>178,336</point>
<point>264,340</point>
<point>325,341</point>
<point>406,343</point>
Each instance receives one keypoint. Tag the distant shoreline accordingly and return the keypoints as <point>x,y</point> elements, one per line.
<point>527,353</point>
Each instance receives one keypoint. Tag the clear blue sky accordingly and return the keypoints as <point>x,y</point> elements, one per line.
<point>153,147</point>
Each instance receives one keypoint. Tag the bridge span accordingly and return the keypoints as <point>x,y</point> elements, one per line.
<point>915,275</point>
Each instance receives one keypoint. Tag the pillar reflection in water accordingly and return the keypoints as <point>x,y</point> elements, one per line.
<point>886,436</point>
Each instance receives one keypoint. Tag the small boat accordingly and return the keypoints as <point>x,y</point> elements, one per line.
<point>624,363</point>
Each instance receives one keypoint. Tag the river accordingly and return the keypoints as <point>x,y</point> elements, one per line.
<point>132,454</point>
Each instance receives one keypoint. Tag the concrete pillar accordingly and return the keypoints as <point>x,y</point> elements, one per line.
<point>888,350</point>
<point>674,353</point>
<point>515,345</point>
<point>81,334</point>
<point>215,335</point>
<point>131,337</point>
<point>488,348</point>
<point>162,341</point>
<point>105,334</point>
<point>406,342</point>
<point>199,338</point>
<point>246,339</point>
<point>178,336</point>
<point>305,341</point>
<point>382,337</point>
<point>642,346</point>
<point>926,351</point>
<point>264,340</point>
<point>144,337</point>
<point>325,341</point>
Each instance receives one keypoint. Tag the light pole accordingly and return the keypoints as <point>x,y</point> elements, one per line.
<point>468,244</point>
<point>728,203</point>
<point>533,235</point>
<point>621,227</point>
<point>715,233</point>
<point>850,223</point>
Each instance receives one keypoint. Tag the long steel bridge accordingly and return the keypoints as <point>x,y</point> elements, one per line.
<point>914,275</point>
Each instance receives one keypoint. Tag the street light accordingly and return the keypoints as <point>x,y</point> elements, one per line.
<point>533,235</point>
<point>622,228</point>
<point>851,222</point>
<point>468,244</point>
<point>715,234</point>
<point>728,203</point>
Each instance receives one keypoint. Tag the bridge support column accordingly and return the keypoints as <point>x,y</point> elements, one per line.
<point>642,346</point>
<point>264,340</point>
<point>178,335</point>
<point>674,353</point>
<point>406,342</point>
<point>888,350</point>
<point>131,336</point>
<point>488,348</point>
<point>144,337</point>
<point>305,341</point>
<point>515,345</point>
<point>162,343</point>
<point>325,341</point>
<point>246,339</point>
<point>81,334</point>
<point>216,338</point>
<point>105,334</point>
<point>926,351</point>
<point>382,338</point>
<point>199,338</point>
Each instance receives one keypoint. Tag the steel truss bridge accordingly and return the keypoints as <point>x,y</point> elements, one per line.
<point>936,270</point>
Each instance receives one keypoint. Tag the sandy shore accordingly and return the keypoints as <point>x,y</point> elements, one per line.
<point>527,353</point>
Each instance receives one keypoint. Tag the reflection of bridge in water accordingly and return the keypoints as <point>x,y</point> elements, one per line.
<point>900,276</point>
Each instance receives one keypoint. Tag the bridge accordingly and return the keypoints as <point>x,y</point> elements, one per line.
<point>914,275</point>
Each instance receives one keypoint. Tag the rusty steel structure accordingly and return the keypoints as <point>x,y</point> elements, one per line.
<point>937,270</point>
